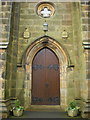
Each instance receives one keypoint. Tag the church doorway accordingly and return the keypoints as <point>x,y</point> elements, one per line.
<point>46,73</point>
<point>45,78</point>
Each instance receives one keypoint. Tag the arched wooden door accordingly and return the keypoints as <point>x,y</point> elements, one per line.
<point>45,78</point>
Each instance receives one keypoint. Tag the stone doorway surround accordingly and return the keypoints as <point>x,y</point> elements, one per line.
<point>64,61</point>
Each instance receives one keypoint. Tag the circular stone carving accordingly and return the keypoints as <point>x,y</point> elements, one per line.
<point>45,9</point>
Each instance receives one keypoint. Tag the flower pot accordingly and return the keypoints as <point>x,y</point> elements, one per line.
<point>18,112</point>
<point>73,112</point>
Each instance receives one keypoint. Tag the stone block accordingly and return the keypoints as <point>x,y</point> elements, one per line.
<point>87,65</point>
<point>13,84</point>
<point>5,35</point>
<point>5,8</point>
<point>7,27</point>
<point>7,15</point>
<point>88,75</point>
<point>89,83</point>
<point>85,28</point>
<point>30,11</point>
<point>84,13</point>
<point>1,93</point>
<point>63,84</point>
<point>71,93</point>
<point>68,5</point>
<point>23,23</point>
<point>5,21</point>
<point>84,93</point>
<point>3,3</point>
<point>9,3</point>
<point>66,22</point>
<point>55,22</point>
<point>1,64</point>
<point>89,14</point>
<point>88,27</point>
<point>36,34</point>
<point>4,115</point>
<point>66,11</point>
<point>35,23</point>
<point>84,7</point>
<point>7,93</point>
<point>24,5</point>
<point>22,11</point>
<point>86,111</point>
<point>85,21</point>
<point>67,17</point>
<point>13,92</point>
<point>32,5</point>
<point>52,28</point>
<point>20,80</point>
<point>20,93</point>
<point>83,3</point>
<point>28,17</point>
<point>89,34</point>
<point>85,35</point>
<point>70,82</point>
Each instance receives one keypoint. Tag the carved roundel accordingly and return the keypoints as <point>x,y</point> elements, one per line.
<point>45,9</point>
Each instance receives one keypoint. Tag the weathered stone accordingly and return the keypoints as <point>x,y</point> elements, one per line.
<point>67,17</point>
<point>28,17</point>
<point>88,34</point>
<point>30,11</point>
<point>5,8</point>
<point>24,5</point>
<point>84,7</point>
<point>85,21</point>
<point>9,3</point>
<point>88,27</point>
<point>1,64</point>
<point>85,28</point>
<point>5,21</point>
<point>3,3</point>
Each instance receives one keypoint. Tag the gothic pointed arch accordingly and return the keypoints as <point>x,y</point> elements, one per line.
<point>45,41</point>
<point>64,61</point>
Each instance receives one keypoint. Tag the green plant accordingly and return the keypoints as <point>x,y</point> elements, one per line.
<point>18,110</point>
<point>72,106</point>
<point>17,105</point>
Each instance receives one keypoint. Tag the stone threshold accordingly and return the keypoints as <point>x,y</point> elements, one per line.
<point>45,108</point>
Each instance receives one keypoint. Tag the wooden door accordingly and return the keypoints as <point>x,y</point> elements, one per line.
<point>45,78</point>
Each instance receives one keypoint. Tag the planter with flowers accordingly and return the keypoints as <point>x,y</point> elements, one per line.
<point>73,109</point>
<point>18,109</point>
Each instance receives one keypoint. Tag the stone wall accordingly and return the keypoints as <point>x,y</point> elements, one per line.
<point>56,24</point>
<point>67,17</point>
<point>85,6</point>
<point>5,13</point>
<point>11,69</point>
<point>70,16</point>
<point>5,17</point>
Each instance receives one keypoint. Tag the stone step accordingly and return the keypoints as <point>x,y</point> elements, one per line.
<point>5,106</point>
<point>88,101</point>
<point>44,108</point>
<point>88,106</point>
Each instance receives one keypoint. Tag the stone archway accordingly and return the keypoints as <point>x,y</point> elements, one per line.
<point>63,57</point>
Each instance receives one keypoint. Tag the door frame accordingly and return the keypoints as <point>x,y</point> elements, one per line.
<point>64,61</point>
